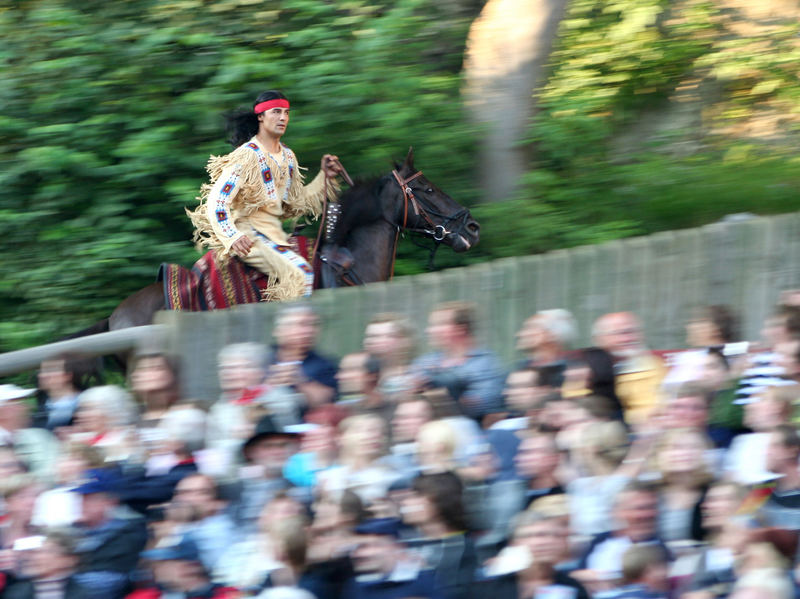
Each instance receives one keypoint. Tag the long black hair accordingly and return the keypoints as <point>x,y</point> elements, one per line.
<point>241,125</point>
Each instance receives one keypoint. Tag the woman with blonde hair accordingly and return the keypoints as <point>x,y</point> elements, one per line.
<point>361,467</point>
<point>680,461</point>
<point>436,447</point>
<point>605,461</point>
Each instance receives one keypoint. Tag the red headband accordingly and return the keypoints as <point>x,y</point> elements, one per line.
<point>262,106</point>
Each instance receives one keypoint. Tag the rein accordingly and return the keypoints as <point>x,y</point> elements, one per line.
<point>322,229</point>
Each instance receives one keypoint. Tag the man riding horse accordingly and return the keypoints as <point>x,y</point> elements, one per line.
<point>256,186</point>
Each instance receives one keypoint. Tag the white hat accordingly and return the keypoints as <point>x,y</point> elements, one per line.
<point>12,392</point>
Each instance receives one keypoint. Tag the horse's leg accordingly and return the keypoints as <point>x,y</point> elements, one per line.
<point>136,310</point>
<point>139,308</point>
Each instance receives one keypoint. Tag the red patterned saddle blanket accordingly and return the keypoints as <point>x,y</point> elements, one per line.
<point>213,284</point>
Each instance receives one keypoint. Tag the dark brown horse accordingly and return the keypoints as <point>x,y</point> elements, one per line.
<point>361,247</point>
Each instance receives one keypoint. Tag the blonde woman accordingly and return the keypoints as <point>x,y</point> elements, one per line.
<point>684,478</point>
<point>361,467</point>
<point>604,460</point>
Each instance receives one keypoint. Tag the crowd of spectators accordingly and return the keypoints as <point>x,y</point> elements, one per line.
<point>612,471</point>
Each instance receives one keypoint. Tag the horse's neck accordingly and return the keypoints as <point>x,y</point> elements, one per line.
<point>373,247</point>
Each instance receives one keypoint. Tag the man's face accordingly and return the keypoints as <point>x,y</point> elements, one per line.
<point>546,540</point>
<point>297,331</point>
<point>522,390</point>
<point>531,335</point>
<point>441,329</point>
<point>320,439</point>
<point>408,418</point>
<point>175,575</point>
<point>621,336</point>
<point>536,456</point>
<point>271,453</point>
<point>367,439</point>
<point>352,374</point>
<point>95,508</point>
<point>274,121</point>
<point>381,339</point>
<point>374,554</point>
<point>15,414</point>
<point>238,373</point>
<point>637,511</point>
<point>50,561</point>
<point>197,492</point>
<point>688,412</point>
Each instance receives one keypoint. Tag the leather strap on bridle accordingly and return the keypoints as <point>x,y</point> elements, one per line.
<point>408,195</point>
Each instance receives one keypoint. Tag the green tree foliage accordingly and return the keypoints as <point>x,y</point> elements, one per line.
<point>111,109</point>
<point>658,115</point>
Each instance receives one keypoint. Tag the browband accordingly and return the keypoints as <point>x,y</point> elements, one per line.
<point>278,103</point>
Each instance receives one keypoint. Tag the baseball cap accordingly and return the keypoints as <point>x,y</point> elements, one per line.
<point>99,480</point>
<point>174,548</point>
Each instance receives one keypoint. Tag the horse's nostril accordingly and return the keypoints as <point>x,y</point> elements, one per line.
<point>473,227</point>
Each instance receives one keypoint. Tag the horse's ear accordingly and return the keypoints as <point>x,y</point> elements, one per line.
<point>410,159</point>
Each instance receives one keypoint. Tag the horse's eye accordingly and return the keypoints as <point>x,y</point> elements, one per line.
<point>429,190</point>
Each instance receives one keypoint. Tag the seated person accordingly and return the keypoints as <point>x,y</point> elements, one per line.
<point>198,512</point>
<point>113,536</point>
<point>178,572</point>
<point>383,568</point>
<point>51,571</point>
<point>472,376</point>
<point>644,574</point>
<point>636,512</point>
<point>533,564</point>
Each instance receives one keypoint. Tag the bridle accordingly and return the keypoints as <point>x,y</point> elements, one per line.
<point>436,232</point>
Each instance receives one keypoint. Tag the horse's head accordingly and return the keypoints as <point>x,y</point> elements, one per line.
<point>426,209</point>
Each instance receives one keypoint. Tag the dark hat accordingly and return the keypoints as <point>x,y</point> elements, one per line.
<point>380,526</point>
<point>174,548</point>
<point>266,428</point>
<point>99,480</point>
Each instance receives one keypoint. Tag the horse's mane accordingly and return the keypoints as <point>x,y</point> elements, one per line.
<point>360,205</point>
